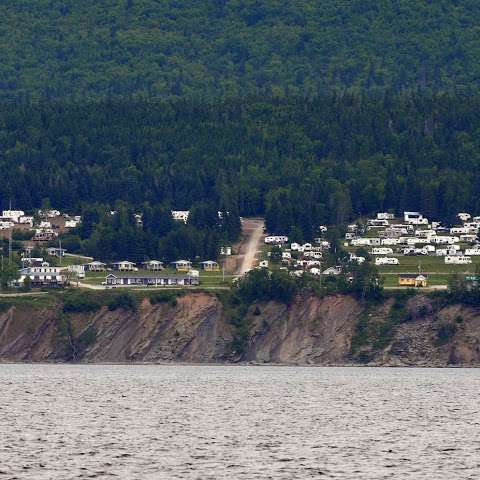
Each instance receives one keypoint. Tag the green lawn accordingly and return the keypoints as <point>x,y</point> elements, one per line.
<point>428,265</point>
<point>72,260</point>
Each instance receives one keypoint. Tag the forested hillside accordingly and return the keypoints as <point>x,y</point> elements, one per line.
<point>301,162</point>
<point>230,48</point>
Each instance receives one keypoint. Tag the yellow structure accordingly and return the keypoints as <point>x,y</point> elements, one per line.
<point>412,280</point>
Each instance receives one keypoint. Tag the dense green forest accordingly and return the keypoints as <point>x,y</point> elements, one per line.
<point>301,162</point>
<point>229,48</point>
<point>306,112</point>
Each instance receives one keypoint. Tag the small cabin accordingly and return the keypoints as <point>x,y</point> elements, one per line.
<point>210,266</point>
<point>153,265</point>
<point>182,265</point>
<point>96,266</point>
<point>412,280</point>
<point>124,266</point>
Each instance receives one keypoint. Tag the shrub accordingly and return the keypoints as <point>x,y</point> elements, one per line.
<point>164,297</point>
<point>125,301</point>
<point>262,285</point>
<point>80,302</point>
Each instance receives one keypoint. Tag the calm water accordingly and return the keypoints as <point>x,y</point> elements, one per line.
<point>169,422</point>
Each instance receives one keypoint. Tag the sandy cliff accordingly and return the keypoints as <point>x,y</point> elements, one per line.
<point>196,328</point>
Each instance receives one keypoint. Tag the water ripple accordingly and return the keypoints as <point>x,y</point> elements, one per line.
<point>215,422</point>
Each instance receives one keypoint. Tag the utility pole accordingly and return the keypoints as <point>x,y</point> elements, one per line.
<point>10,247</point>
<point>60,251</point>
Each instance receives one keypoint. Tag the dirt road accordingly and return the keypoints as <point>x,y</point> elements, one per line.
<point>252,231</point>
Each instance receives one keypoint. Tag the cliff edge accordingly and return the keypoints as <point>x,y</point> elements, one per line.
<point>335,330</point>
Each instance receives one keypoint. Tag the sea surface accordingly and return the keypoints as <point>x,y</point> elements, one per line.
<point>235,422</point>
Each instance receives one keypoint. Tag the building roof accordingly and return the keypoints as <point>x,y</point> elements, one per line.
<point>415,276</point>
<point>148,275</point>
<point>123,262</point>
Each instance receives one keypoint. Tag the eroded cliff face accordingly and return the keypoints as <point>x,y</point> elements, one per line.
<point>196,329</point>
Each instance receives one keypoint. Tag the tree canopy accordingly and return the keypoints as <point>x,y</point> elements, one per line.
<point>229,48</point>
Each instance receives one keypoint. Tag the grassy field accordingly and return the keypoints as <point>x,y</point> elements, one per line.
<point>434,267</point>
<point>71,260</point>
<point>428,265</point>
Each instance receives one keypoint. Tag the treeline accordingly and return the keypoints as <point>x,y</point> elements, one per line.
<point>229,48</point>
<point>300,162</point>
<point>123,234</point>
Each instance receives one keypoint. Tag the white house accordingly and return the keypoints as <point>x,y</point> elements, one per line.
<point>210,265</point>
<point>386,261</point>
<point>366,242</point>
<point>414,218</point>
<point>153,265</point>
<point>71,224</point>
<point>182,265</point>
<point>5,225</point>
<point>413,241</point>
<point>155,279</point>
<point>96,266</point>
<point>124,266</point>
<point>375,223</point>
<point>382,251</point>
<point>385,216</point>
<point>354,258</point>
<point>56,252</point>
<point>50,213</point>
<point>26,220</point>
<point>276,239</point>
<point>389,241</point>
<point>459,230</point>
<point>43,276</point>
<point>444,240</point>
<point>13,215</point>
<point>332,271</point>
<point>79,270</point>
<point>468,238</point>
<point>464,217</point>
<point>473,251</point>
<point>316,255</point>
<point>227,251</point>
<point>458,260</point>
<point>425,233</point>
<point>181,215</point>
